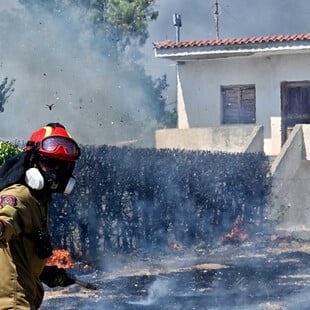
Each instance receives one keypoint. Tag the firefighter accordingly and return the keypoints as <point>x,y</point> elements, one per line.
<point>27,182</point>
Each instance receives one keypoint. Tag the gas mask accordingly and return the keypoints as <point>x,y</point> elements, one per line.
<point>52,175</point>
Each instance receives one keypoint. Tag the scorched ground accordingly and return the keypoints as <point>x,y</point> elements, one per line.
<point>270,272</point>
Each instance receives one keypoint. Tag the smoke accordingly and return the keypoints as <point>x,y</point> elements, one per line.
<point>159,289</point>
<point>55,66</point>
<point>61,77</point>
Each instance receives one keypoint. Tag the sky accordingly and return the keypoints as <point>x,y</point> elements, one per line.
<point>96,106</point>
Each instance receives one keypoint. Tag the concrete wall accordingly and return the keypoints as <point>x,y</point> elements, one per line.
<point>233,139</point>
<point>199,83</point>
<point>289,208</point>
<point>272,145</point>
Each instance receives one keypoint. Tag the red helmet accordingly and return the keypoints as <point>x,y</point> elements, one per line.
<point>54,141</point>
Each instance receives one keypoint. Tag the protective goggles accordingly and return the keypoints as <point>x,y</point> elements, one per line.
<point>57,144</point>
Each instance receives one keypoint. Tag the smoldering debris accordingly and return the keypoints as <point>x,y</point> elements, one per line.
<point>258,274</point>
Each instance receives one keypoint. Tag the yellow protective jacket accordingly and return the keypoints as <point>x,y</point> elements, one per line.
<point>21,212</point>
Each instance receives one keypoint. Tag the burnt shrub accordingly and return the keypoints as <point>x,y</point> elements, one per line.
<point>128,199</point>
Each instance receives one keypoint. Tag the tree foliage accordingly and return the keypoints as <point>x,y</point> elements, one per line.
<point>7,150</point>
<point>117,19</point>
<point>131,17</point>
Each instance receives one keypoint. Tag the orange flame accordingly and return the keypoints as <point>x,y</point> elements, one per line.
<point>237,233</point>
<point>176,246</point>
<point>60,258</point>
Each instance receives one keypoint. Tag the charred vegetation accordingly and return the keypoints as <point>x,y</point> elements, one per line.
<point>132,199</point>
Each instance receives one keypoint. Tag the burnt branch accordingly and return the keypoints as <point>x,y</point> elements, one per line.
<point>6,90</point>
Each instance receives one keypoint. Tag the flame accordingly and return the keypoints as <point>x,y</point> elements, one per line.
<point>237,233</point>
<point>176,246</point>
<point>60,258</point>
<point>279,239</point>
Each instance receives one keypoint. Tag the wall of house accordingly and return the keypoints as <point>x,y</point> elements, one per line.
<point>200,82</point>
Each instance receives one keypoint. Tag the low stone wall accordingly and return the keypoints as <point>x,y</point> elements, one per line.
<point>289,204</point>
<point>231,139</point>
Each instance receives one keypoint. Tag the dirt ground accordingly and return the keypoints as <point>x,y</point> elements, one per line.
<point>268,272</point>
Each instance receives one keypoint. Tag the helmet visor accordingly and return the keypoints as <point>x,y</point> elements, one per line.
<point>52,144</point>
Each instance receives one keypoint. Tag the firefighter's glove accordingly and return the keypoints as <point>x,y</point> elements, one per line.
<point>53,276</point>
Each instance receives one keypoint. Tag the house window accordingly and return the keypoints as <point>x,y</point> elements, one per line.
<point>238,102</point>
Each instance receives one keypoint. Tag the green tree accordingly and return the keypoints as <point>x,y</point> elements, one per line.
<point>118,20</point>
<point>7,150</point>
<point>131,18</point>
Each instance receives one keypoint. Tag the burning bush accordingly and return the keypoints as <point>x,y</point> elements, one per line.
<point>60,258</point>
<point>129,198</point>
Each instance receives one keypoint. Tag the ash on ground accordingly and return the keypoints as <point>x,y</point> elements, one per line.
<point>269,273</point>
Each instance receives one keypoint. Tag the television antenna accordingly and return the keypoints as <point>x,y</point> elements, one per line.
<point>177,22</point>
<point>216,17</point>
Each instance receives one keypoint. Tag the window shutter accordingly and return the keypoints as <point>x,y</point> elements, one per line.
<point>238,104</point>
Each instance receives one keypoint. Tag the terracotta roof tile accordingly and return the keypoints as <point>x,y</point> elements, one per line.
<point>232,41</point>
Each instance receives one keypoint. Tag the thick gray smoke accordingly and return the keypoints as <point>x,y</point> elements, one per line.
<point>61,77</point>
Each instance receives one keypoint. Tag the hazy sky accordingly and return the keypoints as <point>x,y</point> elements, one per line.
<point>238,18</point>
<point>50,67</point>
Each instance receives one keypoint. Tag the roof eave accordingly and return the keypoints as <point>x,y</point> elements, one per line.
<point>207,52</point>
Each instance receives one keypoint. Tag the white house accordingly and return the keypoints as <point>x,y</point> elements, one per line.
<point>258,81</point>
<point>244,95</point>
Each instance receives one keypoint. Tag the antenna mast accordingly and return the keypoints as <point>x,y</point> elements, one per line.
<point>177,22</point>
<point>216,17</point>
